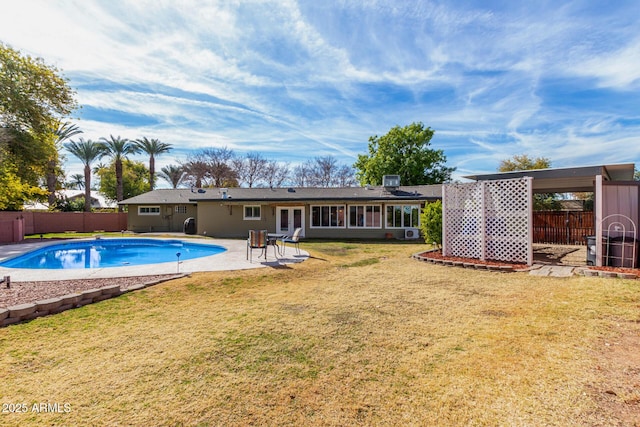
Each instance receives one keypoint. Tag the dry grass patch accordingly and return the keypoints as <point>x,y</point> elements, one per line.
<point>338,340</point>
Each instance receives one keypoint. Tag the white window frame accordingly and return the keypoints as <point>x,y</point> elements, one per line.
<point>337,207</point>
<point>252,217</point>
<point>151,210</point>
<point>402,209</point>
<point>180,209</point>
<point>365,225</point>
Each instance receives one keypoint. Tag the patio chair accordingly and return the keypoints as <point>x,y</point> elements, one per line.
<point>293,239</point>
<point>257,240</point>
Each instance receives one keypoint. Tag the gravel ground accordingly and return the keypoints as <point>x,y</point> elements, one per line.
<point>27,292</point>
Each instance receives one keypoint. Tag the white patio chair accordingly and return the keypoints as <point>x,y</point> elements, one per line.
<point>293,239</point>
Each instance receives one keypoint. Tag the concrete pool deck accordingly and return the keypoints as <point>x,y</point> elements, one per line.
<point>234,258</point>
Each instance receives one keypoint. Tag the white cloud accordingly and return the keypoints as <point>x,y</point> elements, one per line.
<point>301,78</point>
<point>618,70</point>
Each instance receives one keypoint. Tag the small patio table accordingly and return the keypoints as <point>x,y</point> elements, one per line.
<point>272,239</point>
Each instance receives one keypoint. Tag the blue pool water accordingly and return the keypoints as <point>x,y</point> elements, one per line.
<point>101,253</point>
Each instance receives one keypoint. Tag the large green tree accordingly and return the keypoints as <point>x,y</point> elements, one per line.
<point>135,179</point>
<point>87,152</point>
<point>523,162</point>
<point>24,160</point>
<point>13,190</point>
<point>118,149</point>
<point>152,147</point>
<point>403,151</point>
<point>34,98</point>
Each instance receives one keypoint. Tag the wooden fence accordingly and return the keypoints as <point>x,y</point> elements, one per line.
<point>562,228</point>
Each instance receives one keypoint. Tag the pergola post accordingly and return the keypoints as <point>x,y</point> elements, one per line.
<point>445,233</point>
<point>598,209</point>
<point>483,221</point>
<point>530,221</point>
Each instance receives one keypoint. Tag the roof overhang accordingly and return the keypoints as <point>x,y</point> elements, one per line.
<point>565,180</point>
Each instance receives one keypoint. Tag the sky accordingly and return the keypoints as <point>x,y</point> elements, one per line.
<point>295,80</point>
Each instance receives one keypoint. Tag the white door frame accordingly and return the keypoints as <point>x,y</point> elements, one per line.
<point>291,225</point>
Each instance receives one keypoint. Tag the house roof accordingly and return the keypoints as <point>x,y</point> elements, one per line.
<point>299,194</point>
<point>564,180</point>
<point>160,197</point>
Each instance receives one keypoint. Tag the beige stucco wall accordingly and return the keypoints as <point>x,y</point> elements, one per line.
<point>223,220</point>
<point>168,220</point>
<point>220,219</point>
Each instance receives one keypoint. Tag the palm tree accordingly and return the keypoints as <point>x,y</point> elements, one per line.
<point>76,182</point>
<point>173,174</point>
<point>99,166</point>
<point>64,131</point>
<point>152,147</point>
<point>88,152</point>
<point>118,149</point>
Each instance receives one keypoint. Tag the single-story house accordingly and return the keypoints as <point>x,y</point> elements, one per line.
<point>345,212</point>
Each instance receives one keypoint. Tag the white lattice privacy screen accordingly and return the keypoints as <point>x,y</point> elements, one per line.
<point>489,220</point>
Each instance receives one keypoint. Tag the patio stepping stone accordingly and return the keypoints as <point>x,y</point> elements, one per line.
<point>553,271</point>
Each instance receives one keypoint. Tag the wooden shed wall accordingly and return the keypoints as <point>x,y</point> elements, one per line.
<point>622,198</point>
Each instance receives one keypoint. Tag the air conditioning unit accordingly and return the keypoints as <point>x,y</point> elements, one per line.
<point>411,233</point>
<point>391,181</point>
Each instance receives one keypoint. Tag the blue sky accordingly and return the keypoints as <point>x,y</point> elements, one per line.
<point>298,79</point>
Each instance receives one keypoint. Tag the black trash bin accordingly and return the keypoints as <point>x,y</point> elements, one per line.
<point>623,252</point>
<point>591,250</point>
<point>190,226</point>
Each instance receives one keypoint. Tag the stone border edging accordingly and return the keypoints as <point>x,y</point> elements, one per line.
<point>505,268</point>
<point>29,311</point>
<point>470,265</point>
<point>608,274</point>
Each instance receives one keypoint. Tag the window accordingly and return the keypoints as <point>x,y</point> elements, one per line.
<point>181,209</point>
<point>148,210</point>
<point>252,212</point>
<point>365,216</point>
<point>403,216</point>
<point>327,216</point>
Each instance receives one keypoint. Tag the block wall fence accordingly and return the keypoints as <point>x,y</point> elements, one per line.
<point>58,222</point>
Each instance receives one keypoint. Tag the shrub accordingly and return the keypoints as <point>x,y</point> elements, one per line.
<point>431,222</point>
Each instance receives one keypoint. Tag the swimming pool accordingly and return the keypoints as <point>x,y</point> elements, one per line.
<point>100,253</point>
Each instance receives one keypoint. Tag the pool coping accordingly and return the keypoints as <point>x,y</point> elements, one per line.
<point>234,258</point>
